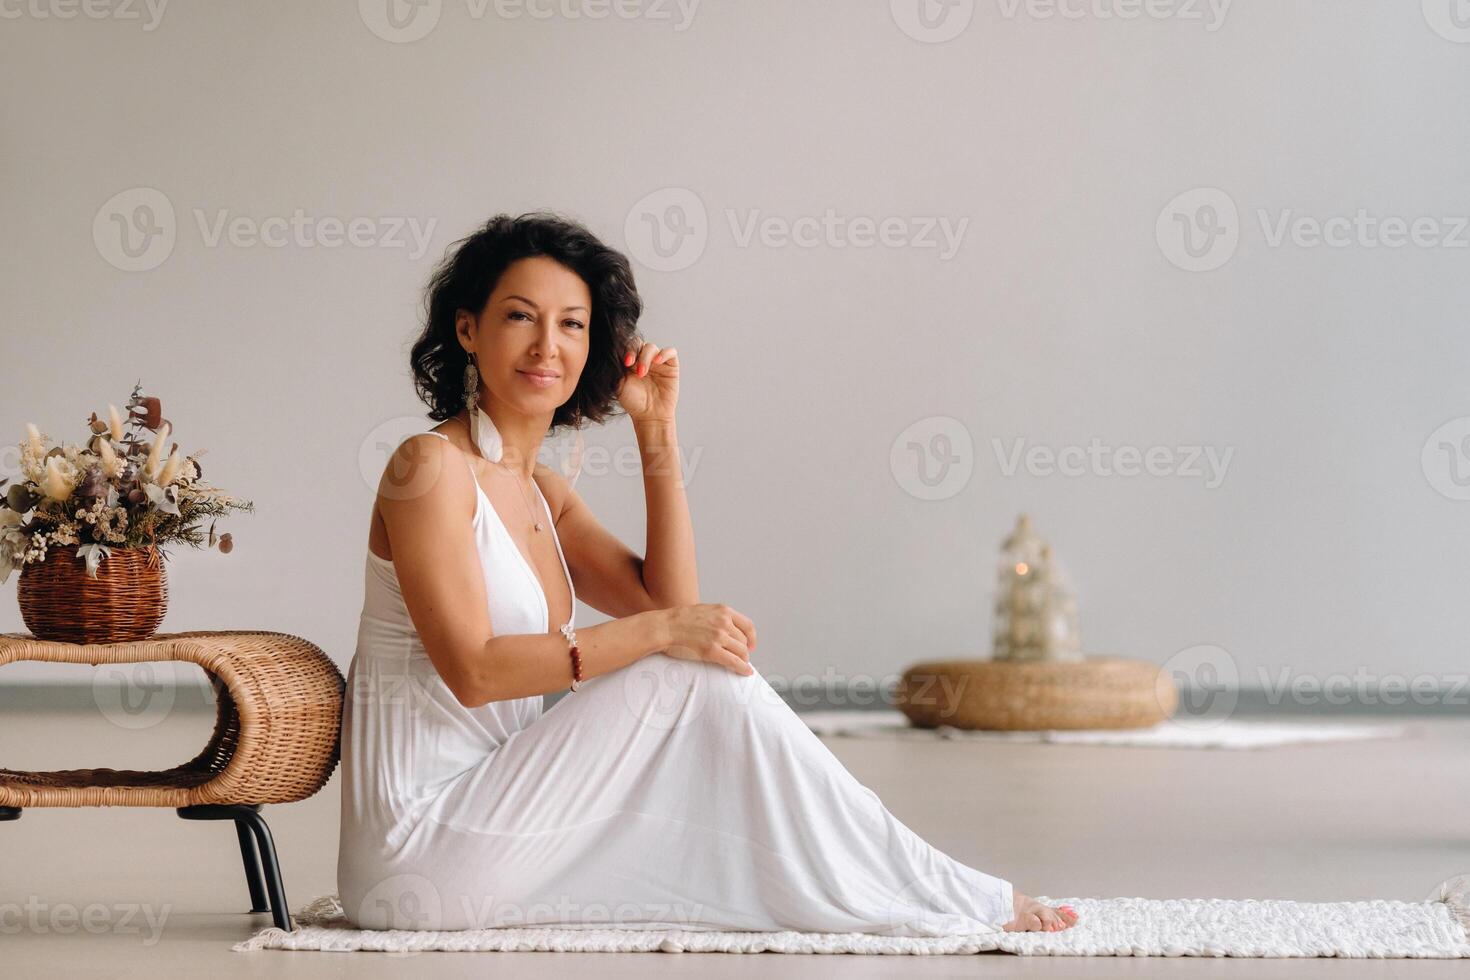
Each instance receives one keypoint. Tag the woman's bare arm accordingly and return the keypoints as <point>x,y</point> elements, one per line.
<point>670,573</point>
<point>520,666</point>
<point>427,500</point>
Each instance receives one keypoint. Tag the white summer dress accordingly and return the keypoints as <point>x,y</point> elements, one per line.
<point>669,794</point>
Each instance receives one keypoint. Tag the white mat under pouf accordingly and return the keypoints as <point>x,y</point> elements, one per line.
<point>1186,733</point>
<point>1435,928</point>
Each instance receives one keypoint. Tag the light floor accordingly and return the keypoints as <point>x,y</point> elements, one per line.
<point>1346,821</point>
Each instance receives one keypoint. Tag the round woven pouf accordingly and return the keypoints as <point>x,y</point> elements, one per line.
<point>1097,692</point>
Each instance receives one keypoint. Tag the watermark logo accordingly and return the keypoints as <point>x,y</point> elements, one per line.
<point>915,909</point>
<point>838,689</point>
<point>1450,19</point>
<point>141,695</point>
<point>406,901</point>
<point>1362,230</point>
<point>399,686</point>
<point>1210,684</point>
<point>679,12</point>
<point>1363,688</point>
<point>668,229</point>
<point>406,21</point>
<point>302,230</point>
<point>409,474</point>
<point>135,229</point>
<point>937,21</point>
<point>1445,459</point>
<point>933,458</point>
<point>1210,13</point>
<point>1207,463</point>
<point>486,912</point>
<point>1208,680</point>
<point>1198,231</point>
<point>400,21</point>
<point>405,475</point>
<point>123,919</point>
<point>932,21</point>
<point>660,690</point>
<point>832,230</point>
<point>149,13</point>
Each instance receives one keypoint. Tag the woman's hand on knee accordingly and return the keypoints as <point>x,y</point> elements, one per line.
<point>712,632</point>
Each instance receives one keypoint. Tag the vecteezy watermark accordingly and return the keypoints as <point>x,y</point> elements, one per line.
<point>932,21</point>
<point>1200,230</point>
<point>937,21</point>
<point>408,474</point>
<point>1209,13</point>
<point>1364,687</point>
<point>920,907</point>
<point>149,13</point>
<point>1450,19</point>
<point>141,695</point>
<point>833,688</point>
<point>1445,459</point>
<point>1363,230</point>
<point>404,21</point>
<point>119,919</point>
<point>667,230</point>
<point>933,458</point>
<point>1208,463</point>
<point>833,230</point>
<point>414,902</point>
<point>1209,682</point>
<point>309,231</point>
<point>135,230</point>
<point>661,691</point>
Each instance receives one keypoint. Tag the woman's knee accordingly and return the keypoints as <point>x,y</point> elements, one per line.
<point>665,692</point>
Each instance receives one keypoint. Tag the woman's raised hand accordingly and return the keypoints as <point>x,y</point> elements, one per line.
<point>650,386</point>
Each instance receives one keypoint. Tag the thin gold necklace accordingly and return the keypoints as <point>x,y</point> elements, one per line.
<point>535,524</point>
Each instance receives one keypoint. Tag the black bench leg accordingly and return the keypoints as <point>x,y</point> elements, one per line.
<point>9,813</point>
<point>253,875</point>
<point>262,870</point>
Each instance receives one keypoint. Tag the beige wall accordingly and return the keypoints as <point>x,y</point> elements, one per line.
<point>1063,156</point>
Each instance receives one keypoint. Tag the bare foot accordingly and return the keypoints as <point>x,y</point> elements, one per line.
<point>1032,916</point>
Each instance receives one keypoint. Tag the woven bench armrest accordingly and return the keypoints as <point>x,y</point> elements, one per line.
<point>276,734</point>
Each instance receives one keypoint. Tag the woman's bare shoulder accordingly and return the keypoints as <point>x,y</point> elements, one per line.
<point>416,468</point>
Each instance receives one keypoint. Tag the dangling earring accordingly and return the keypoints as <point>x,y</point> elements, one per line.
<point>482,431</point>
<point>471,384</point>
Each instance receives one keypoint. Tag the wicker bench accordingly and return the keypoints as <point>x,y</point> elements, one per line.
<point>275,740</point>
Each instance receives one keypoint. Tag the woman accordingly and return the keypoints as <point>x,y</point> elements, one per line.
<point>672,788</point>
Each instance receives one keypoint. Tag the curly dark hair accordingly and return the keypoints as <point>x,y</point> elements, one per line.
<point>467,276</point>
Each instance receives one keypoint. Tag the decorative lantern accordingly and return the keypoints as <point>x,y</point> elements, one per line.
<point>1035,607</point>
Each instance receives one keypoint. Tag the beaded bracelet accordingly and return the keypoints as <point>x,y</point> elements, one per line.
<point>576,654</point>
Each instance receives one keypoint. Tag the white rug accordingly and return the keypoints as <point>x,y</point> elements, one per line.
<point>1380,929</point>
<point>1179,733</point>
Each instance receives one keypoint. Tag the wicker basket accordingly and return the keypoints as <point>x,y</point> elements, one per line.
<point>124,603</point>
<point>1096,692</point>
